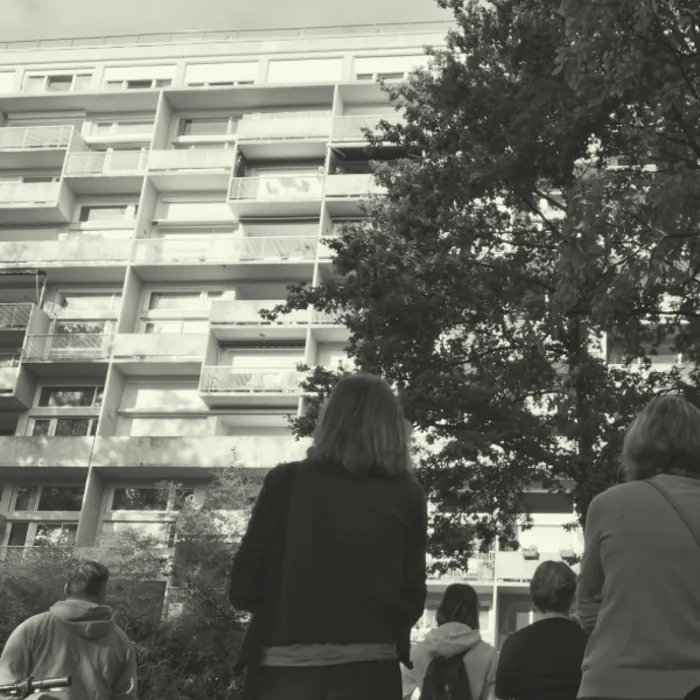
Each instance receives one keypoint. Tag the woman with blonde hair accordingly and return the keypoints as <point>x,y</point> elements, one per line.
<point>638,594</point>
<point>332,564</point>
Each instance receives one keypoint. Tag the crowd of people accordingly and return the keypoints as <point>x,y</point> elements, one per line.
<point>332,567</point>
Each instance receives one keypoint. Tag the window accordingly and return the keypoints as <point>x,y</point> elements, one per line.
<point>175,300</point>
<point>103,213</point>
<point>42,534</point>
<point>64,427</point>
<point>386,67</point>
<point>61,397</point>
<point>83,302</point>
<point>150,498</point>
<point>79,327</point>
<point>48,498</point>
<point>204,127</point>
<point>40,178</point>
<point>163,533</point>
<point>175,327</point>
<point>59,83</point>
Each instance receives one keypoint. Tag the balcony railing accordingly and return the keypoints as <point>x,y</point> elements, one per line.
<point>290,187</point>
<point>350,128</point>
<point>106,162</point>
<point>160,346</point>
<point>231,380</point>
<point>78,346</point>
<point>247,313</point>
<point>191,159</point>
<point>224,249</point>
<point>13,316</point>
<point>29,192</point>
<point>28,137</point>
<point>285,126</point>
<point>351,185</point>
<point>88,249</point>
<point>325,318</point>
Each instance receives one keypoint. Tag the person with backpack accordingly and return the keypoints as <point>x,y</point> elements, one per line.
<point>333,561</point>
<point>637,593</point>
<point>453,662</point>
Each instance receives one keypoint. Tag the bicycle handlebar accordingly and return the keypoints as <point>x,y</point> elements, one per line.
<point>22,689</point>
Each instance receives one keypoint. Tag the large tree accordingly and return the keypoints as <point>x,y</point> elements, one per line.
<point>507,262</point>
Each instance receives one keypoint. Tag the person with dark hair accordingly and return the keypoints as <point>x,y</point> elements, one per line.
<point>77,637</point>
<point>453,662</point>
<point>637,592</point>
<point>333,561</point>
<point>543,660</point>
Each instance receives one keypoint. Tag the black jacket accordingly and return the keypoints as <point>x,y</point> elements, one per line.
<point>354,566</point>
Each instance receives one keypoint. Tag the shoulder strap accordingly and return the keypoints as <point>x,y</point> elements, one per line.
<point>664,492</point>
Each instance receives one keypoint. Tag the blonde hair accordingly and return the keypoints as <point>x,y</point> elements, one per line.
<point>663,439</point>
<point>362,427</point>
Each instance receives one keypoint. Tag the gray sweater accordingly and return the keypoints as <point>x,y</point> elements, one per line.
<point>639,592</point>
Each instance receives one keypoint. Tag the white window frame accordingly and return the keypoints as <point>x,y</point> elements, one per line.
<point>204,296</point>
<point>50,513</point>
<point>228,137</point>
<point>155,83</point>
<point>31,531</point>
<point>59,296</point>
<point>73,73</point>
<point>53,421</point>
<point>94,387</point>
<point>199,492</point>
<point>113,132</point>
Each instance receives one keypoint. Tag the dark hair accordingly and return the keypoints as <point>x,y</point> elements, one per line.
<point>460,603</point>
<point>362,427</point>
<point>663,439</point>
<point>87,580</point>
<point>553,587</point>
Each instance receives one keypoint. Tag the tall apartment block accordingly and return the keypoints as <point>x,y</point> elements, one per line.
<point>154,196</point>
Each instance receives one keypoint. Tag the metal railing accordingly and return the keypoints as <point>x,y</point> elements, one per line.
<point>247,313</point>
<point>106,162</point>
<point>15,315</point>
<point>87,249</point>
<point>28,137</point>
<point>28,192</point>
<point>349,128</point>
<point>191,159</point>
<point>278,187</point>
<point>195,36</point>
<point>224,249</point>
<point>240,381</point>
<point>78,346</point>
<point>285,125</point>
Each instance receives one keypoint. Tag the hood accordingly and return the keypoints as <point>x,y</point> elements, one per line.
<point>88,620</point>
<point>450,639</point>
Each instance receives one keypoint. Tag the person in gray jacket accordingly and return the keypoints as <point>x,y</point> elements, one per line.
<point>638,593</point>
<point>77,637</point>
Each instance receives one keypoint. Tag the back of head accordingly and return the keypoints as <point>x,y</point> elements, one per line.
<point>362,427</point>
<point>553,587</point>
<point>663,439</point>
<point>88,581</point>
<point>460,603</point>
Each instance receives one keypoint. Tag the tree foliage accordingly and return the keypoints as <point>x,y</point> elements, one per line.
<point>507,263</point>
<point>188,653</point>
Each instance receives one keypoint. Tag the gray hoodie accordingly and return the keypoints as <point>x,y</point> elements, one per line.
<point>450,639</point>
<point>75,638</point>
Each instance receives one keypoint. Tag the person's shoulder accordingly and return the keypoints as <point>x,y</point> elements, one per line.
<point>281,472</point>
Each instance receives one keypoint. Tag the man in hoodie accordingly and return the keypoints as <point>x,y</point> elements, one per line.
<point>77,637</point>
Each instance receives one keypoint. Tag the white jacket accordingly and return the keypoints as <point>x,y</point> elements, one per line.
<point>449,639</point>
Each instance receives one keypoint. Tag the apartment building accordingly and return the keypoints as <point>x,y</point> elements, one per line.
<point>154,197</point>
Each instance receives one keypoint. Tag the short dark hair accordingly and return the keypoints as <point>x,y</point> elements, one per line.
<point>87,579</point>
<point>460,603</point>
<point>362,427</point>
<point>553,587</point>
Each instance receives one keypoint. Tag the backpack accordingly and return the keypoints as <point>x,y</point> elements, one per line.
<point>446,679</point>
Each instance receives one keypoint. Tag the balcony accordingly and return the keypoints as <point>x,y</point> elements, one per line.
<point>285,134</point>
<point>95,172</point>
<point>22,452</point>
<point>227,386</point>
<point>240,320</point>
<point>191,169</point>
<point>171,353</point>
<point>512,568</point>
<point>346,194</point>
<point>349,128</point>
<point>35,203</point>
<point>34,146</point>
<point>77,347</point>
<point>84,251</point>
<point>292,195</point>
<point>196,452</point>
<point>15,317</point>
<point>223,250</point>
<point>480,570</point>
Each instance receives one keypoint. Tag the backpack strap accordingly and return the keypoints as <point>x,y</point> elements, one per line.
<point>674,504</point>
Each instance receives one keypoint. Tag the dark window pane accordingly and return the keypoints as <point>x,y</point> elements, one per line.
<point>26,498</point>
<point>61,498</point>
<point>56,534</point>
<point>165,82</point>
<point>72,427</point>
<point>41,427</point>
<point>66,396</point>
<point>138,84</point>
<point>390,76</point>
<point>18,534</point>
<point>59,83</point>
<point>140,499</point>
<point>204,127</point>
